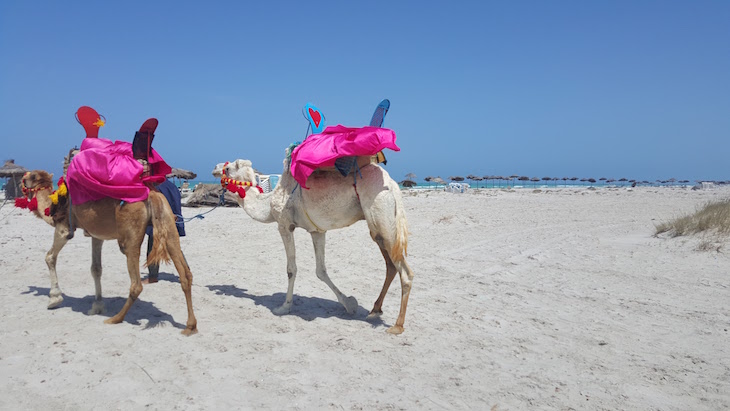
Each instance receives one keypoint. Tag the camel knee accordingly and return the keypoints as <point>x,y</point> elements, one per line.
<point>322,275</point>
<point>50,259</point>
<point>134,291</point>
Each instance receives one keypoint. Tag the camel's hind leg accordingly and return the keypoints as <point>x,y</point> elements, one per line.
<point>350,303</point>
<point>406,279</point>
<point>98,306</point>
<point>59,240</point>
<point>135,288</point>
<point>186,280</point>
<point>390,271</point>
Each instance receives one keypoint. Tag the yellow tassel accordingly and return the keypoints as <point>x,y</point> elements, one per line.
<point>54,198</point>
<point>62,190</point>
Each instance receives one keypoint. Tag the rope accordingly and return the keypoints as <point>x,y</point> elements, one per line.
<point>3,205</point>
<point>221,201</point>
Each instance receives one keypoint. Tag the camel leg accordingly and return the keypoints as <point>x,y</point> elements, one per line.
<point>59,240</point>
<point>350,303</point>
<point>186,280</point>
<point>98,306</point>
<point>287,236</point>
<point>406,279</point>
<point>132,253</point>
<point>390,271</point>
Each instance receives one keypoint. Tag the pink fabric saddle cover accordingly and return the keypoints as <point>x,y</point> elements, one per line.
<point>321,150</point>
<point>104,169</point>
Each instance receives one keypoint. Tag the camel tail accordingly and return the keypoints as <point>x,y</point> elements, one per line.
<point>400,247</point>
<point>162,220</point>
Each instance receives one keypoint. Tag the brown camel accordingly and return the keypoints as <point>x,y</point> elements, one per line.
<point>110,219</point>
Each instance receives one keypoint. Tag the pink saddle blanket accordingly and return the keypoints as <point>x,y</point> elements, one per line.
<point>321,150</point>
<point>104,169</point>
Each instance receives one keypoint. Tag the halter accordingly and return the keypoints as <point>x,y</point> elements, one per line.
<point>30,191</point>
<point>236,186</point>
<point>32,203</point>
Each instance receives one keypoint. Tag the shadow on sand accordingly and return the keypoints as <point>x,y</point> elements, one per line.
<point>306,308</point>
<point>141,310</point>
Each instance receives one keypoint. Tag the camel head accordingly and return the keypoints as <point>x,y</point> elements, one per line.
<point>240,170</point>
<point>36,180</point>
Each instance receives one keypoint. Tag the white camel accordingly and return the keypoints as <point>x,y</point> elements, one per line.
<point>332,202</point>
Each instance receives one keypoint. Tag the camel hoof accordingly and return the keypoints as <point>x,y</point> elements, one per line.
<point>188,332</point>
<point>351,305</point>
<point>55,302</point>
<point>374,315</point>
<point>283,310</point>
<point>96,308</point>
<point>395,330</point>
<point>112,321</point>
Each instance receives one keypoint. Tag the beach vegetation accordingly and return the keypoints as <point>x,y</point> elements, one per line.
<point>713,216</point>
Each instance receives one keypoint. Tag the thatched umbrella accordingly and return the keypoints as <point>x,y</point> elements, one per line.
<point>428,179</point>
<point>13,172</point>
<point>411,176</point>
<point>408,183</point>
<point>439,181</point>
<point>456,178</point>
<point>182,174</point>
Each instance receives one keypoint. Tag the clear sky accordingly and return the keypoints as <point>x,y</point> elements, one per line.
<point>636,89</point>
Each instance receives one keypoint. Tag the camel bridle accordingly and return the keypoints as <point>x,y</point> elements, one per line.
<point>30,192</point>
<point>236,186</point>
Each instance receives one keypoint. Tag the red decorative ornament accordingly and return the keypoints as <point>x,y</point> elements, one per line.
<point>33,204</point>
<point>47,212</point>
<point>21,202</point>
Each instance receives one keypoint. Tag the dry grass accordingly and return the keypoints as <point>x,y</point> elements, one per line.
<point>713,217</point>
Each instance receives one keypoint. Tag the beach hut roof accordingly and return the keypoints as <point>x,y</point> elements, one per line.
<point>11,169</point>
<point>180,173</point>
<point>408,183</point>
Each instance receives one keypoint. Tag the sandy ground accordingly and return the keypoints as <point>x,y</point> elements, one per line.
<point>558,299</point>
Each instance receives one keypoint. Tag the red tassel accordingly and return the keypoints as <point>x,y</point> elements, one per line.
<point>21,202</point>
<point>241,192</point>
<point>231,187</point>
<point>261,190</point>
<point>47,212</point>
<point>33,204</point>
<point>61,181</point>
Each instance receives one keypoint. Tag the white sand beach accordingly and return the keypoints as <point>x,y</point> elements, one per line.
<point>558,299</point>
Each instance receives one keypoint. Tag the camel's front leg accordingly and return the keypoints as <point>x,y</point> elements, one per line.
<point>135,288</point>
<point>98,306</point>
<point>59,240</point>
<point>319,239</point>
<point>287,236</point>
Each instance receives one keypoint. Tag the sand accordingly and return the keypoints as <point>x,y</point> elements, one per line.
<point>557,299</point>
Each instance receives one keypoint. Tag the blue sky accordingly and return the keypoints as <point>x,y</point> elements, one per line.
<point>635,89</point>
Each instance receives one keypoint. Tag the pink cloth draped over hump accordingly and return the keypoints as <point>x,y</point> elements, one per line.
<point>104,169</point>
<point>321,150</point>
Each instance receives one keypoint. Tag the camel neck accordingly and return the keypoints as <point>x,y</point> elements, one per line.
<point>258,205</point>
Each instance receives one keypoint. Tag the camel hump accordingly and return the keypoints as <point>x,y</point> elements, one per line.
<point>90,120</point>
